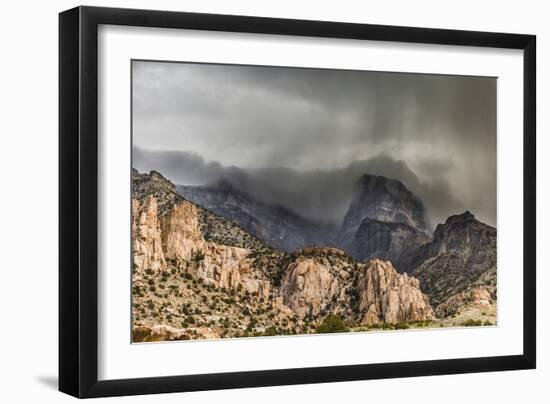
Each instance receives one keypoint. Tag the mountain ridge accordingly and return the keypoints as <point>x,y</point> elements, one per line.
<point>286,230</point>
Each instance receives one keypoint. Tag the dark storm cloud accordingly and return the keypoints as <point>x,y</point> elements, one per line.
<point>302,136</point>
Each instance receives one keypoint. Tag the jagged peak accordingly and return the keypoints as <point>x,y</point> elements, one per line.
<point>385,199</point>
<point>154,178</point>
<point>385,265</point>
<point>461,217</point>
<point>458,224</point>
<point>466,218</point>
<point>155,175</point>
<point>370,182</point>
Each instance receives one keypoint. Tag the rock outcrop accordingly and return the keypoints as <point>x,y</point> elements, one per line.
<point>146,236</point>
<point>461,256</point>
<point>181,235</point>
<point>177,238</point>
<point>175,235</point>
<point>386,200</point>
<point>179,274</point>
<point>308,287</point>
<point>318,282</point>
<point>385,296</point>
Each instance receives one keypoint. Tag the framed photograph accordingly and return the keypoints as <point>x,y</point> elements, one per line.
<point>251,201</point>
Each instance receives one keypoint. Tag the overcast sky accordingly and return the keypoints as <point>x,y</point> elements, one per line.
<point>301,137</point>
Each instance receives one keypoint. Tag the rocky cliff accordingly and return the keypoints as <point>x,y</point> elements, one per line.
<point>385,296</point>
<point>385,200</point>
<point>461,257</point>
<point>146,236</point>
<point>319,281</point>
<point>385,220</point>
<point>394,242</point>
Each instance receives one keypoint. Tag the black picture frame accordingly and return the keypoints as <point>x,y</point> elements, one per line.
<point>78,201</point>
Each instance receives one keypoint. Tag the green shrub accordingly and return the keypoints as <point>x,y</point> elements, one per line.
<point>332,323</point>
<point>199,256</point>
<point>270,331</point>
<point>183,337</point>
<point>471,323</point>
<point>252,324</point>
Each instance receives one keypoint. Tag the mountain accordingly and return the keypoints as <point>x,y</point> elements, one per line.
<point>198,275</point>
<point>385,220</point>
<point>386,200</point>
<point>277,226</point>
<point>459,266</point>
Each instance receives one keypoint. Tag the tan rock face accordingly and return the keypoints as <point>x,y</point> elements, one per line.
<point>221,265</point>
<point>370,293</point>
<point>181,235</point>
<point>146,237</point>
<point>177,237</point>
<point>279,304</point>
<point>308,286</point>
<point>385,296</point>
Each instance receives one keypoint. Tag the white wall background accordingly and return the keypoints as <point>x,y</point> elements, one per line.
<point>28,198</point>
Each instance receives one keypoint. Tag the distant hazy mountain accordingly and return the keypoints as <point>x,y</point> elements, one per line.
<point>386,200</point>
<point>278,226</point>
<point>385,220</point>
